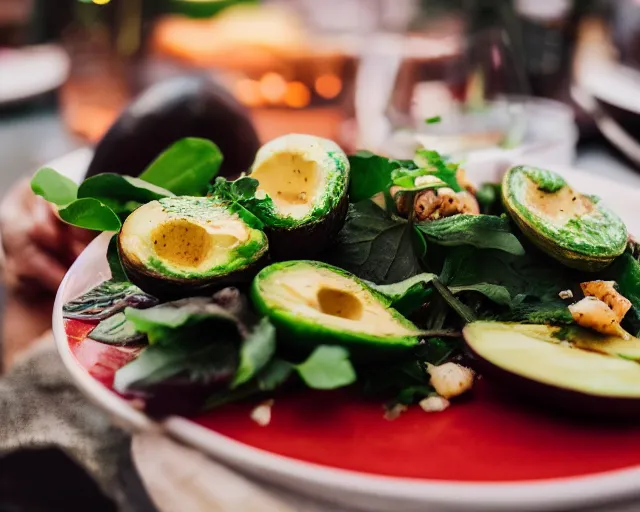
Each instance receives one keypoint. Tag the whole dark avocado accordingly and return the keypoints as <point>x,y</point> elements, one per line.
<point>171,110</point>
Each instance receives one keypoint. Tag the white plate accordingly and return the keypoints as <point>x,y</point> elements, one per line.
<point>29,72</point>
<point>346,487</point>
<point>613,83</point>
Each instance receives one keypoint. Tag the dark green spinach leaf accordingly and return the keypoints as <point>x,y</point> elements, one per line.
<point>377,247</point>
<point>481,231</point>
<point>370,174</point>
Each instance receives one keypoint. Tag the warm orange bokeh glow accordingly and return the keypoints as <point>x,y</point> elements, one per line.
<point>247,92</point>
<point>298,95</point>
<point>328,86</point>
<point>273,87</point>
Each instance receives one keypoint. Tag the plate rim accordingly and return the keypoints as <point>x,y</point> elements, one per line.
<point>538,494</point>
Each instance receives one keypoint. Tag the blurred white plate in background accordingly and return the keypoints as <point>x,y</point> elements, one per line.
<point>29,72</point>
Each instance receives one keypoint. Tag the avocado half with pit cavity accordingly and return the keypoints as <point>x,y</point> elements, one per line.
<point>312,303</point>
<point>181,246</point>
<point>575,229</point>
<point>302,193</point>
<point>572,370</point>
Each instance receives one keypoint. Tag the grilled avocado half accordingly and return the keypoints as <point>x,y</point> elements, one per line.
<point>181,246</point>
<point>302,193</point>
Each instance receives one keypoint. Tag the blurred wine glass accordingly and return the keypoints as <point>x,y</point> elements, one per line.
<point>454,94</point>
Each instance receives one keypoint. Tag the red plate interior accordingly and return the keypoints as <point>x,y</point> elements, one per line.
<point>485,438</point>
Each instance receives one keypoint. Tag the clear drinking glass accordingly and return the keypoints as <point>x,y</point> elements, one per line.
<point>467,95</point>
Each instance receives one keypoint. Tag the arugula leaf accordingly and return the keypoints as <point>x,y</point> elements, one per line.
<point>54,187</point>
<point>481,231</point>
<point>203,362</point>
<point>328,367</point>
<point>113,257</point>
<point>370,174</point>
<point>431,162</point>
<point>116,330</point>
<point>176,321</point>
<point>409,295</point>
<point>186,168</point>
<point>107,299</point>
<point>242,189</point>
<point>377,247</point>
<point>90,214</point>
<point>122,194</point>
<point>256,351</point>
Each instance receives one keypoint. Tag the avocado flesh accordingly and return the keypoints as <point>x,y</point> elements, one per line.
<point>575,229</point>
<point>532,359</point>
<point>188,242</point>
<point>312,303</point>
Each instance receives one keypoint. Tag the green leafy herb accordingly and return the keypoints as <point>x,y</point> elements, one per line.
<point>274,375</point>
<point>433,120</point>
<point>186,168</point>
<point>90,214</point>
<point>257,350</point>
<point>116,330</point>
<point>405,382</point>
<point>377,247</point>
<point>198,361</point>
<point>406,179</point>
<point>370,174</point>
<point>431,163</point>
<point>54,187</point>
<point>328,367</point>
<point>482,231</point>
<point>113,257</point>
<point>409,295</point>
<point>494,292</point>
<point>183,319</point>
<point>107,299</point>
<point>122,194</point>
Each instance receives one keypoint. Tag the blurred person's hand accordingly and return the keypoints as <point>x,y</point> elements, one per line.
<point>38,246</point>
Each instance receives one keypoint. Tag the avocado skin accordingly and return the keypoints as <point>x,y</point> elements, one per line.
<point>301,337</point>
<point>169,288</point>
<point>308,240</point>
<point>172,110</point>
